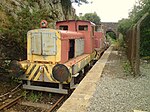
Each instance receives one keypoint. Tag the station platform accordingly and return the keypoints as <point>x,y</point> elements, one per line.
<point>110,87</point>
<point>79,100</point>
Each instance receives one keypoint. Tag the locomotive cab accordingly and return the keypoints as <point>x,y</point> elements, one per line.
<point>80,26</point>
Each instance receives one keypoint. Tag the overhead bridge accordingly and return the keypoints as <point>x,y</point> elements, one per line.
<point>110,27</point>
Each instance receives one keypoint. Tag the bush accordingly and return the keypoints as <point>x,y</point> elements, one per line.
<point>15,34</point>
<point>145,38</point>
<point>111,34</point>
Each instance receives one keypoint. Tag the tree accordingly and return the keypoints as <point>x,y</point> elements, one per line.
<point>67,4</point>
<point>124,25</point>
<point>142,7</point>
<point>79,1</point>
<point>139,10</point>
<point>15,34</point>
<point>93,17</point>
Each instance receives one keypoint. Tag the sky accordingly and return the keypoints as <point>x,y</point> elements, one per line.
<point>107,10</point>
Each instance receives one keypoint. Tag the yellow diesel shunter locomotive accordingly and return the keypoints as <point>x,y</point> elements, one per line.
<point>55,58</point>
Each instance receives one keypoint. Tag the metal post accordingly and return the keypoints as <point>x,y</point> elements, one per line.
<point>137,54</point>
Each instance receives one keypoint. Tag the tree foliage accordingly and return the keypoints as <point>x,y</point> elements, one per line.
<point>13,31</point>
<point>111,34</point>
<point>145,38</point>
<point>93,17</point>
<point>16,33</point>
<point>79,1</point>
<point>142,7</point>
<point>124,25</point>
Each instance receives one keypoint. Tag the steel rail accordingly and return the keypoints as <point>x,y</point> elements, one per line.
<point>11,103</point>
<point>8,93</point>
<point>52,108</point>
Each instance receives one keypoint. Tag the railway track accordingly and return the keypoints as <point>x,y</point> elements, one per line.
<point>9,103</point>
<point>10,98</point>
<point>57,103</point>
<point>18,100</point>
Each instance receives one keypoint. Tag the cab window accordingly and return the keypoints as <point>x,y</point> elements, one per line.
<point>63,27</point>
<point>83,27</point>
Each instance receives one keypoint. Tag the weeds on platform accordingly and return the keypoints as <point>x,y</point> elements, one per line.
<point>146,58</point>
<point>127,67</point>
<point>117,43</point>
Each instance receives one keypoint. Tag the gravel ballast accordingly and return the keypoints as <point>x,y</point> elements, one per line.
<point>118,91</point>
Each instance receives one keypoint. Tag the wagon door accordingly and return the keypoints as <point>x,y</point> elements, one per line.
<point>49,44</point>
<point>36,43</point>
